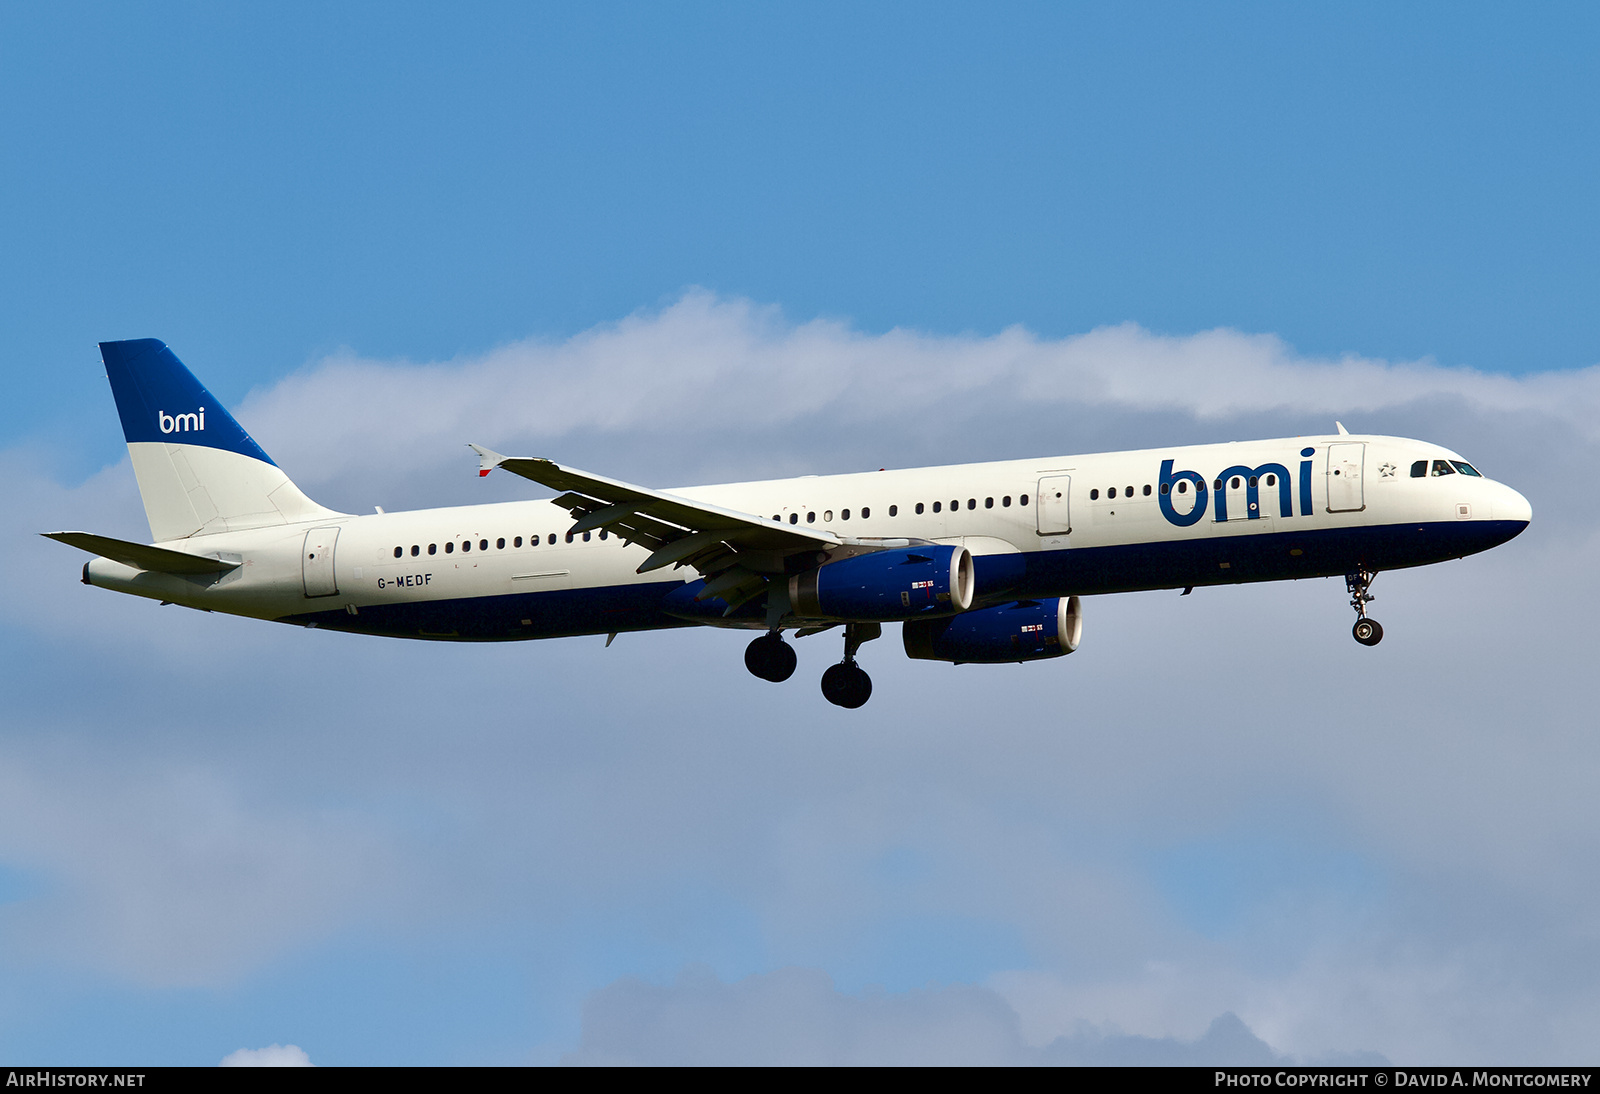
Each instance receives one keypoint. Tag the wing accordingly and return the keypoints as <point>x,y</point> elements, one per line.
<point>735,552</point>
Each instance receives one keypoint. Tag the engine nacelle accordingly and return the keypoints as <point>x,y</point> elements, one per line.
<point>886,585</point>
<point>1027,630</point>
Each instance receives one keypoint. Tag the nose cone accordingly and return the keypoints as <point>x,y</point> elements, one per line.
<point>1512,506</point>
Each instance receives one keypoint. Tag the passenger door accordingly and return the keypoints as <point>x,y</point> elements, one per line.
<point>1344,478</point>
<point>316,562</point>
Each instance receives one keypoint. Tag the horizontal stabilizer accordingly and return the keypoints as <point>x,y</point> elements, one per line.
<point>142,556</point>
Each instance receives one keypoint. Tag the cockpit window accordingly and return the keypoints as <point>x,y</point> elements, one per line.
<point>1466,468</point>
<point>1442,467</point>
<point>1419,470</point>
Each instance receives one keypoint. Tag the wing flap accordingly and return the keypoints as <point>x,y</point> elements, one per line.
<point>676,529</point>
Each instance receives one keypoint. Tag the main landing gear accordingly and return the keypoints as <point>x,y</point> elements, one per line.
<point>770,658</point>
<point>847,684</point>
<point>1369,632</point>
<point>844,685</point>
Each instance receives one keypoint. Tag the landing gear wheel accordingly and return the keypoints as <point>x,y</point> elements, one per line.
<point>770,658</point>
<point>1359,583</point>
<point>846,685</point>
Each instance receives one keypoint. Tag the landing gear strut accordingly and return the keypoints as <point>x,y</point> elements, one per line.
<point>770,658</point>
<point>1369,632</point>
<point>846,684</point>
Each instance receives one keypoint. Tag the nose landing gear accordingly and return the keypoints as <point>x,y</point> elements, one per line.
<point>1369,632</point>
<point>847,684</point>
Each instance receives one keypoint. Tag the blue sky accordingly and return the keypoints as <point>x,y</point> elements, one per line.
<point>1399,182</point>
<point>677,244</point>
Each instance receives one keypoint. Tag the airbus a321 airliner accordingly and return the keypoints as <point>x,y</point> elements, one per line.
<point>979,563</point>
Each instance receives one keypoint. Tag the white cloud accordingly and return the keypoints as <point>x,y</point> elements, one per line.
<point>709,384</point>
<point>164,874</point>
<point>797,1017</point>
<point>272,1056</point>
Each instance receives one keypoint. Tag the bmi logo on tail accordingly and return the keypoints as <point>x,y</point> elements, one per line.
<point>182,423</point>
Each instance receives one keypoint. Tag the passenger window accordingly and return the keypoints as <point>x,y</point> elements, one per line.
<point>433,548</point>
<point>569,537</point>
<point>955,503</point>
<point>777,517</point>
<point>844,514</point>
<point>415,550</point>
<point>552,539</point>
<point>483,545</point>
<point>1234,483</point>
<point>988,503</point>
<point>1272,480</point>
<point>466,545</point>
<point>1022,499</point>
<point>398,552</point>
<point>827,515</point>
<point>1166,488</point>
<point>1094,495</point>
<point>1147,490</point>
<point>604,533</point>
<point>919,508</point>
<point>1442,467</point>
<point>1005,502</point>
<point>1111,493</point>
<point>1419,469</point>
<point>500,544</point>
<point>1466,468</point>
<point>586,537</point>
<point>1183,486</point>
<point>866,513</point>
<point>794,518</point>
<point>972,503</point>
<point>811,518</point>
<point>1127,491</point>
<point>936,506</point>
<point>449,548</point>
<point>517,542</point>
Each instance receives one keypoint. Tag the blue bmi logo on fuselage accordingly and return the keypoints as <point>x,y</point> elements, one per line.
<point>1274,475</point>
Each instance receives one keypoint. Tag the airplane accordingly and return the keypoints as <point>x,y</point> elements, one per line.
<point>980,563</point>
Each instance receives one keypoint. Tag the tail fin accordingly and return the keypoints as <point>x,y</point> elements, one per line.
<point>198,471</point>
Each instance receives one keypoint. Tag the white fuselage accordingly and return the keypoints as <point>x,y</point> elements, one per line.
<point>1049,527</point>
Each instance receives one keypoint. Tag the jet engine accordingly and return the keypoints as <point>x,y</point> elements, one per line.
<point>1026,630</point>
<point>886,585</point>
